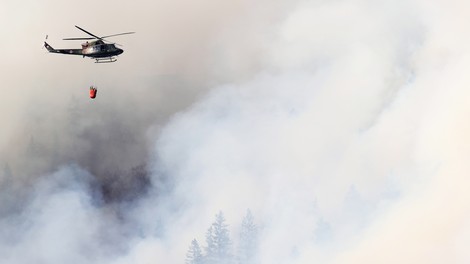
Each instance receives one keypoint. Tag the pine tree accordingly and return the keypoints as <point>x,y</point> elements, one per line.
<point>248,240</point>
<point>218,250</point>
<point>194,255</point>
<point>211,247</point>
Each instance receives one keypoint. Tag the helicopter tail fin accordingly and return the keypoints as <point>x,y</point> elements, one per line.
<point>48,47</point>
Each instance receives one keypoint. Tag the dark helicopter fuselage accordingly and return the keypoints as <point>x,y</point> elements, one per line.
<point>95,49</point>
<point>99,49</point>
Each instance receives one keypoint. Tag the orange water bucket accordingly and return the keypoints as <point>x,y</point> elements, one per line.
<point>93,92</point>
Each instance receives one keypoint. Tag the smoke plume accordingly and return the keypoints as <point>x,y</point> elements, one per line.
<point>341,125</point>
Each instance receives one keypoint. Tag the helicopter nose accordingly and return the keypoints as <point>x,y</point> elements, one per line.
<point>120,51</point>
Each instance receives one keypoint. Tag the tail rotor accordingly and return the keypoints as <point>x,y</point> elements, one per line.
<point>44,45</point>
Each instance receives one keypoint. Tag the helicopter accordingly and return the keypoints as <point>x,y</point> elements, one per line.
<point>99,49</point>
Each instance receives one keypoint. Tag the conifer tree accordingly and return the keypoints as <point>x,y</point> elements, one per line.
<point>194,255</point>
<point>218,250</point>
<point>248,240</point>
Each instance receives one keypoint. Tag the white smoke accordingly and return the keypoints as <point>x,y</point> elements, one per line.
<point>352,122</point>
<point>59,224</point>
<point>345,135</point>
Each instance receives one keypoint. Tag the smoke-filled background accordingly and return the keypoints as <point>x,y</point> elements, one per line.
<point>342,125</point>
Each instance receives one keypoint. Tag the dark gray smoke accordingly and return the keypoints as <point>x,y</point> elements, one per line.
<point>166,66</point>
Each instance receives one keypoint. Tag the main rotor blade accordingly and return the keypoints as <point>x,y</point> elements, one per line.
<point>77,38</point>
<point>118,34</point>
<point>117,44</point>
<point>88,33</point>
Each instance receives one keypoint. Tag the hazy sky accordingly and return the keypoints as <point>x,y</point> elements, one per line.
<point>341,124</point>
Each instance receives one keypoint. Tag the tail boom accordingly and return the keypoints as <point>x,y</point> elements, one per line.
<point>63,51</point>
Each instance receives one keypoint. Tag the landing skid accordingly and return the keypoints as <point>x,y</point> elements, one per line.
<point>105,60</point>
